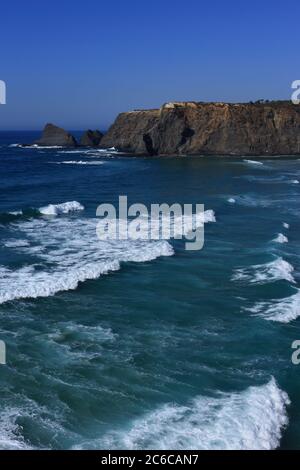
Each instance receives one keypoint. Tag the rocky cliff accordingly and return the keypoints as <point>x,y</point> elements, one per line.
<point>56,136</point>
<point>129,131</point>
<point>91,138</point>
<point>262,128</point>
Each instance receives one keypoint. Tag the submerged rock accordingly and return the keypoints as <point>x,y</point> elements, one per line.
<point>191,128</point>
<point>56,136</point>
<point>91,138</point>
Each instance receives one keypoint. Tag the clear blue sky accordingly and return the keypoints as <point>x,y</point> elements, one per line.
<point>78,64</point>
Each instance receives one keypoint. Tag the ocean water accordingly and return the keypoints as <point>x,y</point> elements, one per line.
<point>143,344</point>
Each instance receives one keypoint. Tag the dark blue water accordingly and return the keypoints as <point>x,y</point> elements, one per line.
<point>144,344</point>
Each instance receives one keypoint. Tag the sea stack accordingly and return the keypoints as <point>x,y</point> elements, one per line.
<point>197,128</point>
<point>54,136</point>
<point>91,138</point>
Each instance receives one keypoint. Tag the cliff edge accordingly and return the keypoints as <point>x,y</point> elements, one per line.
<point>193,128</point>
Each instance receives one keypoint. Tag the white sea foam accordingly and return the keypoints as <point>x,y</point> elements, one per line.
<point>16,243</point>
<point>168,227</point>
<point>252,419</point>
<point>20,212</point>
<point>80,162</point>
<point>285,225</point>
<point>12,418</point>
<point>264,273</point>
<point>282,310</point>
<point>282,179</point>
<point>41,147</point>
<point>253,162</point>
<point>69,252</point>
<point>92,334</point>
<point>10,432</point>
<point>264,179</point>
<point>36,146</point>
<point>46,146</point>
<point>73,151</point>
<point>231,200</point>
<point>93,151</point>
<point>29,282</point>
<point>64,208</point>
<point>252,200</point>
<point>199,219</point>
<point>281,238</point>
<point>55,209</point>
<point>111,150</point>
<point>188,223</point>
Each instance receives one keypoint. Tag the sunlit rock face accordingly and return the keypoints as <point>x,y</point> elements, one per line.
<point>190,128</point>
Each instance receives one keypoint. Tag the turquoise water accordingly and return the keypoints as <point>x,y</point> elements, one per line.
<point>128,345</point>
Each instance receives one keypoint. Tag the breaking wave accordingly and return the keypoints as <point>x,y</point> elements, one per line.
<point>50,209</point>
<point>281,238</point>
<point>282,310</point>
<point>68,253</point>
<point>64,208</point>
<point>252,419</point>
<point>264,273</point>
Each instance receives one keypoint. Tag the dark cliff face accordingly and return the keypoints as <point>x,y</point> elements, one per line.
<point>129,131</point>
<point>56,136</point>
<point>91,138</point>
<point>209,129</point>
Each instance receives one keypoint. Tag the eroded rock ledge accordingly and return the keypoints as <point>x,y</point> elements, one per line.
<point>193,128</point>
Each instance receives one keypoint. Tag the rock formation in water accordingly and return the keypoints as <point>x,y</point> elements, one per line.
<point>91,138</point>
<point>56,136</point>
<point>190,128</point>
<point>128,131</point>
